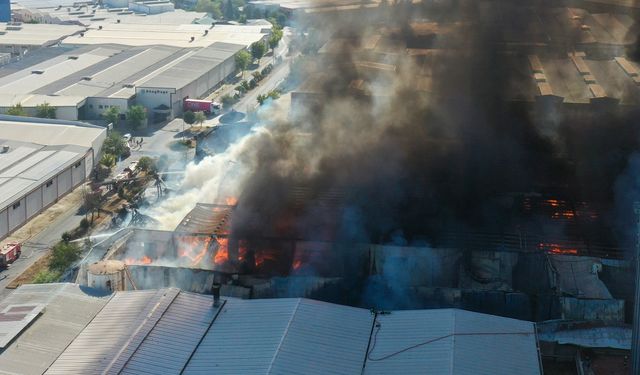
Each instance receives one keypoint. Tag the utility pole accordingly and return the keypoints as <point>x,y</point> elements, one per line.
<point>635,337</point>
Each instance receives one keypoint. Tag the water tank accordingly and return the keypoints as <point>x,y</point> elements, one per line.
<point>108,275</point>
<point>5,11</point>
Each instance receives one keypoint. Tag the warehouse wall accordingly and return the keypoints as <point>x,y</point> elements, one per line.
<point>50,191</point>
<point>17,213</point>
<point>95,107</point>
<point>34,202</point>
<point>4,223</point>
<point>45,195</point>
<point>64,182</point>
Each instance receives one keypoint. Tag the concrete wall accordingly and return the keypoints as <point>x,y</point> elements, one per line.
<point>78,173</point>
<point>4,223</point>
<point>64,182</point>
<point>50,192</point>
<point>96,106</point>
<point>17,213</point>
<point>34,202</point>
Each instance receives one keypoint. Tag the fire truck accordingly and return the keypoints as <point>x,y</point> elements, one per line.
<point>9,253</point>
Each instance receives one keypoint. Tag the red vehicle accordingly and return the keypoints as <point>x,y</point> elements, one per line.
<point>9,253</point>
<point>206,106</point>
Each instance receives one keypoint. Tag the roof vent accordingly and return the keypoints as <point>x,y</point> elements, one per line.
<point>4,149</point>
<point>206,32</point>
<point>100,27</point>
<point>59,7</point>
<point>118,21</point>
<point>128,85</point>
<point>193,38</point>
<point>213,24</point>
<point>72,57</point>
<point>37,71</point>
<point>87,78</point>
<point>81,35</point>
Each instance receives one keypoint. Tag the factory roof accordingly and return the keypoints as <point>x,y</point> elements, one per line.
<point>171,332</point>
<point>27,165</point>
<point>68,308</point>
<point>170,35</point>
<point>188,70</point>
<point>36,35</point>
<point>98,15</point>
<point>207,218</point>
<point>37,4</point>
<point>49,132</point>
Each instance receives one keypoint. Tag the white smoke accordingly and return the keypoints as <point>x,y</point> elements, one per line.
<point>216,178</point>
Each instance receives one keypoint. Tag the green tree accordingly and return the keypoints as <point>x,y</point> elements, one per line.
<point>258,50</point>
<point>92,203</point>
<point>147,164</point>
<point>45,110</point>
<point>274,39</point>
<point>16,110</point>
<point>108,160</point>
<point>46,277</point>
<point>136,115</point>
<point>230,11</point>
<point>112,115</point>
<point>189,117</point>
<point>243,58</point>
<point>115,145</point>
<point>208,6</point>
<point>200,117</point>
<point>63,255</point>
<point>228,101</point>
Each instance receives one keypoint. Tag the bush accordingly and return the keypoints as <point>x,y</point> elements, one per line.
<point>64,254</point>
<point>115,145</point>
<point>108,160</point>
<point>84,224</point>
<point>228,101</point>
<point>146,164</point>
<point>189,117</point>
<point>66,237</point>
<point>253,84</point>
<point>46,276</point>
<point>257,76</point>
<point>240,89</point>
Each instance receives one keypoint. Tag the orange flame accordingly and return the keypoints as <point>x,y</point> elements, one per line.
<point>222,254</point>
<point>133,261</point>
<point>146,260</point>
<point>297,264</point>
<point>231,201</point>
<point>554,248</point>
<point>193,248</point>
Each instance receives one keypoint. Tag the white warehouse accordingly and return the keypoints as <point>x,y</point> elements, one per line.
<point>39,163</point>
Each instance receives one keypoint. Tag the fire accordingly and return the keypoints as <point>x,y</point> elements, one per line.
<point>133,261</point>
<point>297,264</point>
<point>231,201</point>
<point>222,254</point>
<point>193,248</point>
<point>263,256</point>
<point>554,248</point>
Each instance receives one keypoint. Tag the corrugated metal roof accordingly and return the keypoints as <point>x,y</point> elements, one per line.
<point>244,337</point>
<point>69,308</point>
<point>172,332</point>
<point>167,349</point>
<point>451,341</point>
<point>100,343</point>
<point>323,338</point>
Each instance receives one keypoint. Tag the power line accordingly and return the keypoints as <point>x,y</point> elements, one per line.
<point>378,326</point>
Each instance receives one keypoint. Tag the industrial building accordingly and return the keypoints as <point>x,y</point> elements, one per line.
<point>116,68</point>
<point>21,38</point>
<point>67,329</point>
<point>39,163</point>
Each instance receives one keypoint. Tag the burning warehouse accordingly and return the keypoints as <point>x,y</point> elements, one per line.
<point>484,160</point>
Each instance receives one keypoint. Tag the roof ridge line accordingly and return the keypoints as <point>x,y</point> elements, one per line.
<point>78,334</point>
<point>147,320</point>
<point>284,336</point>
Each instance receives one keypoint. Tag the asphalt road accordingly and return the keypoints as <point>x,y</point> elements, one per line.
<point>33,249</point>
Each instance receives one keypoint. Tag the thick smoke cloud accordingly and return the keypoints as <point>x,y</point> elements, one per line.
<point>403,159</point>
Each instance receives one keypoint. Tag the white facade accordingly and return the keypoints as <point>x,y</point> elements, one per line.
<point>152,7</point>
<point>96,106</point>
<point>35,201</point>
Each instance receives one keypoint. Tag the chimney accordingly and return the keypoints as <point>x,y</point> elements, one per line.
<point>215,290</point>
